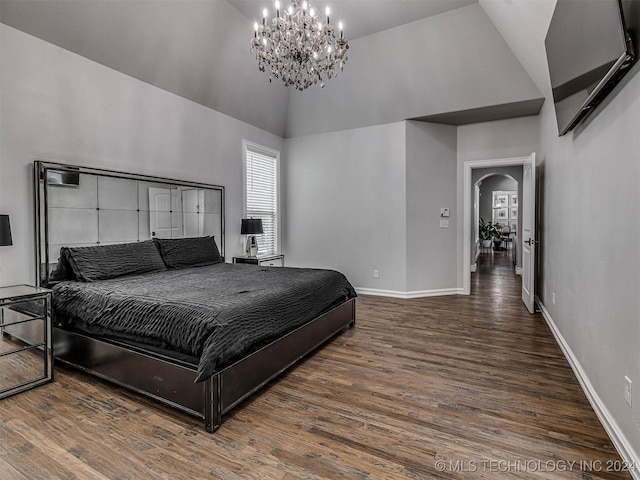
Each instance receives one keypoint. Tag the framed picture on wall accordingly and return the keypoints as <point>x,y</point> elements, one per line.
<point>513,200</point>
<point>501,200</point>
<point>513,213</point>
<point>513,224</point>
<point>502,214</point>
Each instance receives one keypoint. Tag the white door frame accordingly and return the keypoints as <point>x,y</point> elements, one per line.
<point>466,218</point>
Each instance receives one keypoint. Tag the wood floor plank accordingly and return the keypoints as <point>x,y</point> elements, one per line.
<point>455,387</point>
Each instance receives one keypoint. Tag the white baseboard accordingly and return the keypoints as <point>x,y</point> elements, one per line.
<point>618,438</point>
<point>519,271</point>
<point>413,294</point>
<point>473,267</point>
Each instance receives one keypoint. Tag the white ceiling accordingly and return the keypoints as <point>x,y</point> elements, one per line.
<point>362,17</point>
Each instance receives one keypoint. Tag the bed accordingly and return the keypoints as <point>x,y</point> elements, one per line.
<point>144,299</point>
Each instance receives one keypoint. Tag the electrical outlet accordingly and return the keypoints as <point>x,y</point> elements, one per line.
<point>553,298</point>
<point>376,274</point>
<point>628,397</point>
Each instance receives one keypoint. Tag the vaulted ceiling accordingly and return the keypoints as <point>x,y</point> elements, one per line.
<point>199,49</point>
<point>364,17</point>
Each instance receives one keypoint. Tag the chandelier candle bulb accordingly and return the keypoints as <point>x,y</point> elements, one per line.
<point>327,11</point>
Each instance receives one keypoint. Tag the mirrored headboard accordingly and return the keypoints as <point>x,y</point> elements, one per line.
<point>80,206</point>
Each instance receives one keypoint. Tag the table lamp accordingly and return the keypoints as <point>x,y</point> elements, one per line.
<point>5,231</point>
<point>251,227</point>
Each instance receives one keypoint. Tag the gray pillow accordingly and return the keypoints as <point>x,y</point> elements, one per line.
<point>188,252</point>
<point>109,261</point>
<point>62,271</point>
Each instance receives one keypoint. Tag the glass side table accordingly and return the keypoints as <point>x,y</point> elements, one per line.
<point>276,260</point>
<point>26,353</point>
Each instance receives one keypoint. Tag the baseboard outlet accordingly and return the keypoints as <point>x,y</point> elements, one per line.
<point>617,436</point>
<point>473,267</point>
<point>412,294</point>
<point>519,271</point>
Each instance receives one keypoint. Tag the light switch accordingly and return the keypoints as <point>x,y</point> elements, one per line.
<point>444,212</point>
<point>444,223</point>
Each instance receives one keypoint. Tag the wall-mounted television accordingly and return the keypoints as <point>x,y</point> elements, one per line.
<point>588,51</point>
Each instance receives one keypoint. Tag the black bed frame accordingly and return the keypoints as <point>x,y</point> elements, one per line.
<point>173,384</point>
<point>167,380</point>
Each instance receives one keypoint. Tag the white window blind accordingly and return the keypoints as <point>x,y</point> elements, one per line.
<point>262,194</point>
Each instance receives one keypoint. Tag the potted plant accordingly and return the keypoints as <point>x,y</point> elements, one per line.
<point>488,232</point>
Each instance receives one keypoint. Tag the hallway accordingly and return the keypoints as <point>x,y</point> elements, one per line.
<point>495,275</point>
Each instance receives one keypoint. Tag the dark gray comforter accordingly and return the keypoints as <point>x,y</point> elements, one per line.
<point>218,313</point>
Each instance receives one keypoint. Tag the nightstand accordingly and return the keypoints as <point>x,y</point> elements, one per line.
<point>264,260</point>
<point>26,353</point>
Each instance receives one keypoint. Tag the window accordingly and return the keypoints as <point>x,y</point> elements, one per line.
<point>261,197</point>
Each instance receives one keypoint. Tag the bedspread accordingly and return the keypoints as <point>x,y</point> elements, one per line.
<point>218,313</point>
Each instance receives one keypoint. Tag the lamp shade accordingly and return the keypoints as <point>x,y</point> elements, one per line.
<point>5,231</point>
<point>251,226</point>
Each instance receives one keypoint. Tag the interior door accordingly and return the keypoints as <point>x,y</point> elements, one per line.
<point>165,216</point>
<point>529,233</point>
<point>477,241</point>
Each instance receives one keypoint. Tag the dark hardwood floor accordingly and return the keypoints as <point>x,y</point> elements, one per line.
<point>449,387</point>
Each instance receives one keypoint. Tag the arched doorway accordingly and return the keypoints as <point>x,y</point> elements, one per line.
<point>496,194</point>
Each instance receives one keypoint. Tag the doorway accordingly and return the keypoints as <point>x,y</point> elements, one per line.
<point>496,213</point>
<point>526,225</point>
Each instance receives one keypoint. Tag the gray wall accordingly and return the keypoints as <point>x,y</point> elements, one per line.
<point>444,63</point>
<point>59,106</point>
<point>196,49</point>
<point>431,174</point>
<point>345,204</point>
<point>370,198</point>
<point>596,285</point>
<point>588,188</point>
<point>515,137</point>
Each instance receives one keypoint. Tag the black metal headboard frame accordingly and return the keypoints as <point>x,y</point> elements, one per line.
<point>41,170</point>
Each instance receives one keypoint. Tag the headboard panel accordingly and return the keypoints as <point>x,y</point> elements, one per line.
<point>82,206</point>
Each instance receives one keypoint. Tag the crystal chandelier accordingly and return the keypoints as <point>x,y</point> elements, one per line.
<point>298,47</point>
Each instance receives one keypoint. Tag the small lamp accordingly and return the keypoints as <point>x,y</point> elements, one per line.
<point>5,231</point>
<point>251,227</point>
